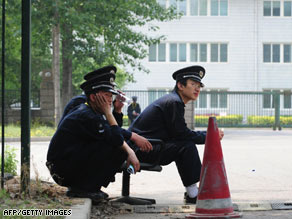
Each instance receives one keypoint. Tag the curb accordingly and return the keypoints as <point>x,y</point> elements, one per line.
<point>81,211</point>
<point>34,139</point>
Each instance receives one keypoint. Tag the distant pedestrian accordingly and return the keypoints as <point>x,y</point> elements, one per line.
<point>134,110</point>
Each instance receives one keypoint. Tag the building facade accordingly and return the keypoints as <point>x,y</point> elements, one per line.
<point>245,45</point>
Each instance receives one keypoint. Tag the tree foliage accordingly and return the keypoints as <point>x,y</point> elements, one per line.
<point>93,33</point>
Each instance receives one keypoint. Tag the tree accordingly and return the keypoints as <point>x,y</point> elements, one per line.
<point>95,33</point>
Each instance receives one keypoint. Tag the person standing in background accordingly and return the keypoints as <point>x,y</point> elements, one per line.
<point>134,110</point>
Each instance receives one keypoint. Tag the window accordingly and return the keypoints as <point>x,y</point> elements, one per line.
<point>267,53</point>
<point>288,8</point>
<point>152,53</point>
<point>178,52</point>
<point>223,52</point>
<point>159,49</point>
<point>271,53</point>
<point>276,52</point>
<point>214,53</point>
<point>180,5</point>
<point>182,52</point>
<point>219,7</point>
<point>173,52</point>
<point>287,53</point>
<point>161,52</point>
<point>218,52</point>
<point>194,52</point>
<point>272,8</point>
<point>203,52</point>
<point>198,7</point>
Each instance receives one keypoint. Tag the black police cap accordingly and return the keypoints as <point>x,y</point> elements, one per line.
<point>100,79</point>
<point>195,73</point>
<point>109,70</point>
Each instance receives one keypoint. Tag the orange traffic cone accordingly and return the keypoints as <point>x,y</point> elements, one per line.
<point>213,199</point>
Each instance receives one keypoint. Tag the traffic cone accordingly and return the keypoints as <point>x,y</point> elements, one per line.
<point>213,199</point>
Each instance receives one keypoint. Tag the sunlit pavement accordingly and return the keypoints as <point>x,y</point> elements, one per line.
<point>258,165</point>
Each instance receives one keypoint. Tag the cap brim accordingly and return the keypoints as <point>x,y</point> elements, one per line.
<point>202,85</point>
<point>113,91</point>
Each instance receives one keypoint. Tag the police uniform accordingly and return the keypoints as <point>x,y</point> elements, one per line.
<point>133,107</point>
<point>164,119</point>
<point>85,153</point>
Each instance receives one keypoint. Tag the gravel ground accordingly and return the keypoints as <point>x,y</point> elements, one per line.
<point>109,209</point>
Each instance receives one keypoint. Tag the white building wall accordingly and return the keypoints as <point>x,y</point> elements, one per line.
<point>245,29</point>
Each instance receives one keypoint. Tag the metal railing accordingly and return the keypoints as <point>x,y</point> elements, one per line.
<point>13,99</point>
<point>231,109</point>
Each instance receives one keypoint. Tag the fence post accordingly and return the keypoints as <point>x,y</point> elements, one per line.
<point>276,98</point>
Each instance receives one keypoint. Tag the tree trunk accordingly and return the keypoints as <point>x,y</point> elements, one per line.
<point>56,72</point>
<point>67,52</point>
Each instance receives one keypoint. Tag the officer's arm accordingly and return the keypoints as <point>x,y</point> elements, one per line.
<point>174,117</point>
<point>132,158</point>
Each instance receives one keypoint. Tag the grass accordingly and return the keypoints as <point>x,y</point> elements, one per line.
<point>14,131</point>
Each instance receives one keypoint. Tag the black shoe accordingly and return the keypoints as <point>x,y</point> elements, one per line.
<point>94,196</point>
<point>189,200</point>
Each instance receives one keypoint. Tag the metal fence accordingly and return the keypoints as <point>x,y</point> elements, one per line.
<point>13,99</point>
<point>231,109</point>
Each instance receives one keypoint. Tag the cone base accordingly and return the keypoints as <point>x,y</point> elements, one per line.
<point>203,216</point>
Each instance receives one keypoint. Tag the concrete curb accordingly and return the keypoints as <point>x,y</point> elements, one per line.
<point>34,139</point>
<point>81,211</point>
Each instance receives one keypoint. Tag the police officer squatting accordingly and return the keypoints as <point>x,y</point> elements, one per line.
<point>89,145</point>
<point>164,119</point>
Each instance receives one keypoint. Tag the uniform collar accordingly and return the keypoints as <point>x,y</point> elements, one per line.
<point>179,97</point>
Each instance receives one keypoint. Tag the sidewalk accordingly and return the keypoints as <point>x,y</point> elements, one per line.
<point>257,162</point>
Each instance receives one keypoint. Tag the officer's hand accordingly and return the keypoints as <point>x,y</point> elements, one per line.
<point>118,104</point>
<point>101,104</point>
<point>221,134</point>
<point>132,159</point>
<point>141,142</point>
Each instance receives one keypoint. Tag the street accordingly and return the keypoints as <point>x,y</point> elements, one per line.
<point>258,164</point>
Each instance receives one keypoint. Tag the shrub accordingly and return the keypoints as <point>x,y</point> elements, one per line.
<point>261,120</point>
<point>202,120</point>
<point>268,120</point>
<point>286,120</point>
<point>10,162</point>
<point>125,121</point>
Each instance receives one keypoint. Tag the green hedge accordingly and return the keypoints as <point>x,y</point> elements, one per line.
<point>125,121</point>
<point>268,120</point>
<point>202,120</point>
<point>261,120</point>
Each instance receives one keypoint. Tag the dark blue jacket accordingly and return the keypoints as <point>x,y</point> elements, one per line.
<point>82,132</point>
<point>164,119</point>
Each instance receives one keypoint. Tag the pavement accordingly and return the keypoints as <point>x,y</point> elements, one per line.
<point>258,166</point>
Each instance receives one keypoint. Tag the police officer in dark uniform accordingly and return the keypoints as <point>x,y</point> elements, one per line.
<point>133,110</point>
<point>89,145</point>
<point>164,119</point>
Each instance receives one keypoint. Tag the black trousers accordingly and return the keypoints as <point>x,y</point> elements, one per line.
<point>89,174</point>
<point>183,153</point>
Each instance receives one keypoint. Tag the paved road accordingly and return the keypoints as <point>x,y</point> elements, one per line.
<point>258,164</point>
